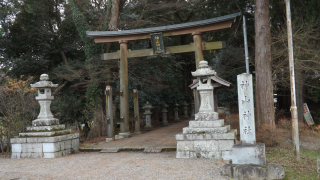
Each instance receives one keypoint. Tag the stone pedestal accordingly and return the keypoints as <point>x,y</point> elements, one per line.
<point>206,137</point>
<point>249,154</point>
<point>253,172</point>
<point>46,138</point>
<point>44,147</point>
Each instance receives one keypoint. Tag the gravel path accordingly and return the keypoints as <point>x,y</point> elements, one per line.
<point>122,165</point>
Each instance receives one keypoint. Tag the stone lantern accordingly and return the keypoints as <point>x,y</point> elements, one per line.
<point>185,109</point>
<point>45,117</point>
<point>176,113</point>
<point>148,113</point>
<point>164,114</point>
<point>46,138</point>
<point>206,136</point>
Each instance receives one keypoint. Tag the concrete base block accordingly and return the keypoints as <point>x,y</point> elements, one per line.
<point>45,147</point>
<point>253,172</point>
<point>249,154</point>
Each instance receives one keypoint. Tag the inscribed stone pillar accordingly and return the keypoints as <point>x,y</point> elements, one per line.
<point>246,109</point>
<point>124,99</point>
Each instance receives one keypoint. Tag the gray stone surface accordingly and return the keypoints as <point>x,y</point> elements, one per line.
<point>253,172</point>
<point>110,150</point>
<point>206,116</point>
<point>249,154</point>
<point>45,122</point>
<point>46,128</point>
<point>16,148</point>
<point>190,137</point>
<point>223,129</point>
<point>206,124</point>
<point>18,140</point>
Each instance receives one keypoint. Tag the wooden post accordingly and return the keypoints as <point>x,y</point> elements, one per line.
<point>136,112</point>
<point>109,112</point>
<point>124,99</point>
<point>198,47</point>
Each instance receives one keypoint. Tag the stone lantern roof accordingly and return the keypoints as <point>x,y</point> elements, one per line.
<point>44,83</point>
<point>147,106</point>
<point>204,70</point>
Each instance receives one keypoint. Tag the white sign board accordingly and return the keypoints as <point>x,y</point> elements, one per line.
<point>307,115</point>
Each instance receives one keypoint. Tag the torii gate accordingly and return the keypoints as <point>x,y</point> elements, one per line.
<point>193,28</point>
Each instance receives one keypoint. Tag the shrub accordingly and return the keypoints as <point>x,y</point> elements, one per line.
<point>18,107</point>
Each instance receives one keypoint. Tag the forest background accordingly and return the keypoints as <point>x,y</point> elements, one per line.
<point>50,37</point>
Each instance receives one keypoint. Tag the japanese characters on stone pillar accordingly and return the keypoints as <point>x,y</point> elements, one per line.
<point>246,109</point>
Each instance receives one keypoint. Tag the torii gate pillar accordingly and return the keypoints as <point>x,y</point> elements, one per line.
<point>197,48</point>
<point>124,99</point>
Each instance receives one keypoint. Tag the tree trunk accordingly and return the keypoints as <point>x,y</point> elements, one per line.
<point>114,16</point>
<point>264,85</point>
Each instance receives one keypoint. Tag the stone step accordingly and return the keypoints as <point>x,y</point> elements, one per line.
<point>206,124</point>
<point>189,130</point>
<point>191,137</point>
<point>46,128</point>
<point>45,134</point>
<point>205,116</point>
<point>45,122</point>
<point>152,150</point>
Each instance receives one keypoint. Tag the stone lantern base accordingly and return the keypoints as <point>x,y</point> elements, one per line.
<point>206,137</point>
<point>45,142</point>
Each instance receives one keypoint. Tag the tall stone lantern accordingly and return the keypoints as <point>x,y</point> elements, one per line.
<point>46,138</point>
<point>207,136</point>
<point>205,88</point>
<point>45,117</point>
<point>148,113</point>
